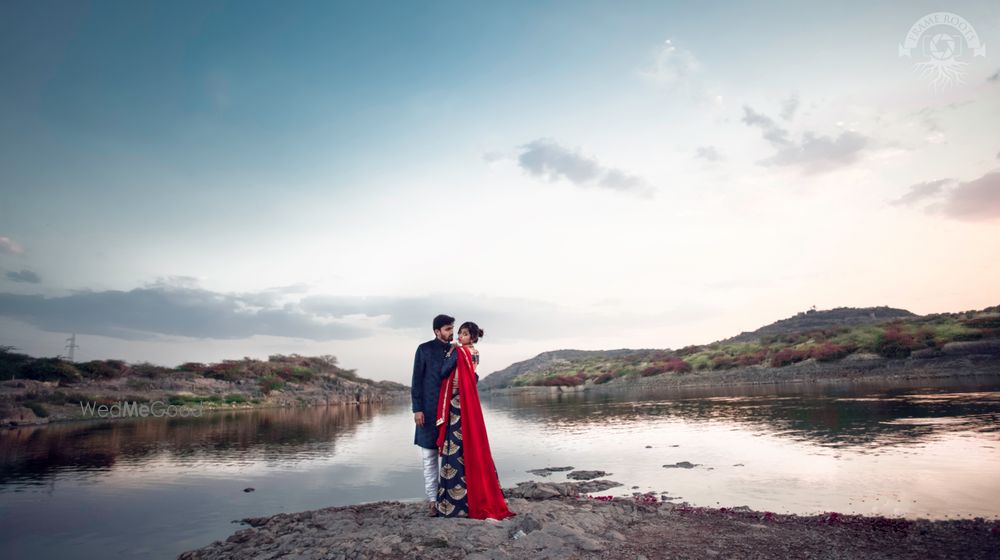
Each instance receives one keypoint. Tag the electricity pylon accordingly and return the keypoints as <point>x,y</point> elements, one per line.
<point>71,345</point>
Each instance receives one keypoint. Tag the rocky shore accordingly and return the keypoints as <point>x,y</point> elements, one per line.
<point>571,520</point>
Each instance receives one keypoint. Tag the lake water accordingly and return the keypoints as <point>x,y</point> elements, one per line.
<point>152,488</point>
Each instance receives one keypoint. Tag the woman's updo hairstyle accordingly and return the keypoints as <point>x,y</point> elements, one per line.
<point>474,331</point>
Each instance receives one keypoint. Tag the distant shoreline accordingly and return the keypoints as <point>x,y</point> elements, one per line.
<point>22,417</point>
<point>865,368</point>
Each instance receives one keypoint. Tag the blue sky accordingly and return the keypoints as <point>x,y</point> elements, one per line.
<point>199,181</point>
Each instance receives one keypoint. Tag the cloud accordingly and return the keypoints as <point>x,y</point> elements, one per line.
<point>164,310</point>
<point>24,275</point>
<point>672,65</point>
<point>10,247</point>
<point>920,191</point>
<point>503,318</point>
<point>491,157</point>
<point>788,107</point>
<point>546,159</point>
<point>973,201</point>
<point>814,153</point>
<point>679,71</point>
<point>769,129</point>
<point>817,154</point>
<point>709,153</point>
<point>930,116</point>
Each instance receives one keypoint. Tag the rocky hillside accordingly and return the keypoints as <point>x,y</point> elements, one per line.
<point>830,318</point>
<point>543,361</point>
<point>40,390</point>
<point>811,336</point>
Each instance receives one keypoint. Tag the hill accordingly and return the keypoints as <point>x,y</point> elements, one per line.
<point>39,390</point>
<point>813,319</point>
<point>819,336</point>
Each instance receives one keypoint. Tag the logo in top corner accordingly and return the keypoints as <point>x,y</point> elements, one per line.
<point>942,43</point>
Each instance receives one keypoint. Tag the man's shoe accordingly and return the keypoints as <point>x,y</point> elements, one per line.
<point>433,511</point>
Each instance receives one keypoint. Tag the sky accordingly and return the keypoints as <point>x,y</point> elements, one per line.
<point>199,181</point>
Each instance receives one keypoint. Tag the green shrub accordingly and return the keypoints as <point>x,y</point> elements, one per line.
<point>271,383</point>
<point>699,362</point>
<point>894,343</point>
<point>37,408</point>
<point>102,369</point>
<point>862,338</point>
<point>51,369</point>
<point>983,322</point>
<point>152,371</point>
<point>788,356</point>
<point>11,362</point>
<point>603,378</point>
<point>296,373</point>
<point>196,367</point>
<point>752,358</point>
<point>830,351</point>
<point>951,332</point>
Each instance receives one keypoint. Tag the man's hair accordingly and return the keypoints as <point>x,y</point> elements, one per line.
<point>474,331</point>
<point>442,320</point>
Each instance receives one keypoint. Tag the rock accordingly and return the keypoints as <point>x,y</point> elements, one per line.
<point>926,353</point>
<point>248,489</point>
<point>532,490</point>
<point>549,470</point>
<point>524,524</point>
<point>682,465</point>
<point>539,539</point>
<point>590,486</point>
<point>574,527</point>
<point>586,475</point>
<point>962,348</point>
<point>538,491</point>
<point>862,357</point>
<point>588,544</point>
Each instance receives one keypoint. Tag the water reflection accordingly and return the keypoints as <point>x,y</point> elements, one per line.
<point>151,488</point>
<point>32,455</point>
<point>862,415</point>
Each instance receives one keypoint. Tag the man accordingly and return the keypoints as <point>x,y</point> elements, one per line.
<point>424,391</point>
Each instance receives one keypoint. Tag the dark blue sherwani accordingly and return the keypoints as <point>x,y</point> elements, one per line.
<point>428,372</point>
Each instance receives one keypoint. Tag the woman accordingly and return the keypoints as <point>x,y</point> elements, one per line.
<point>468,484</point>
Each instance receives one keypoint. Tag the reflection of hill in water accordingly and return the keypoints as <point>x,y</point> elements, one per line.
<point>834,415</point>
<point>266,435</point>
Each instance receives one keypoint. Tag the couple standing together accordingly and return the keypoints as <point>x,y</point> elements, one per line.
<point>449,424</point>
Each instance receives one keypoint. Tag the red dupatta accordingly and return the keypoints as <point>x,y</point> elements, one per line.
<point>482,486</point>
